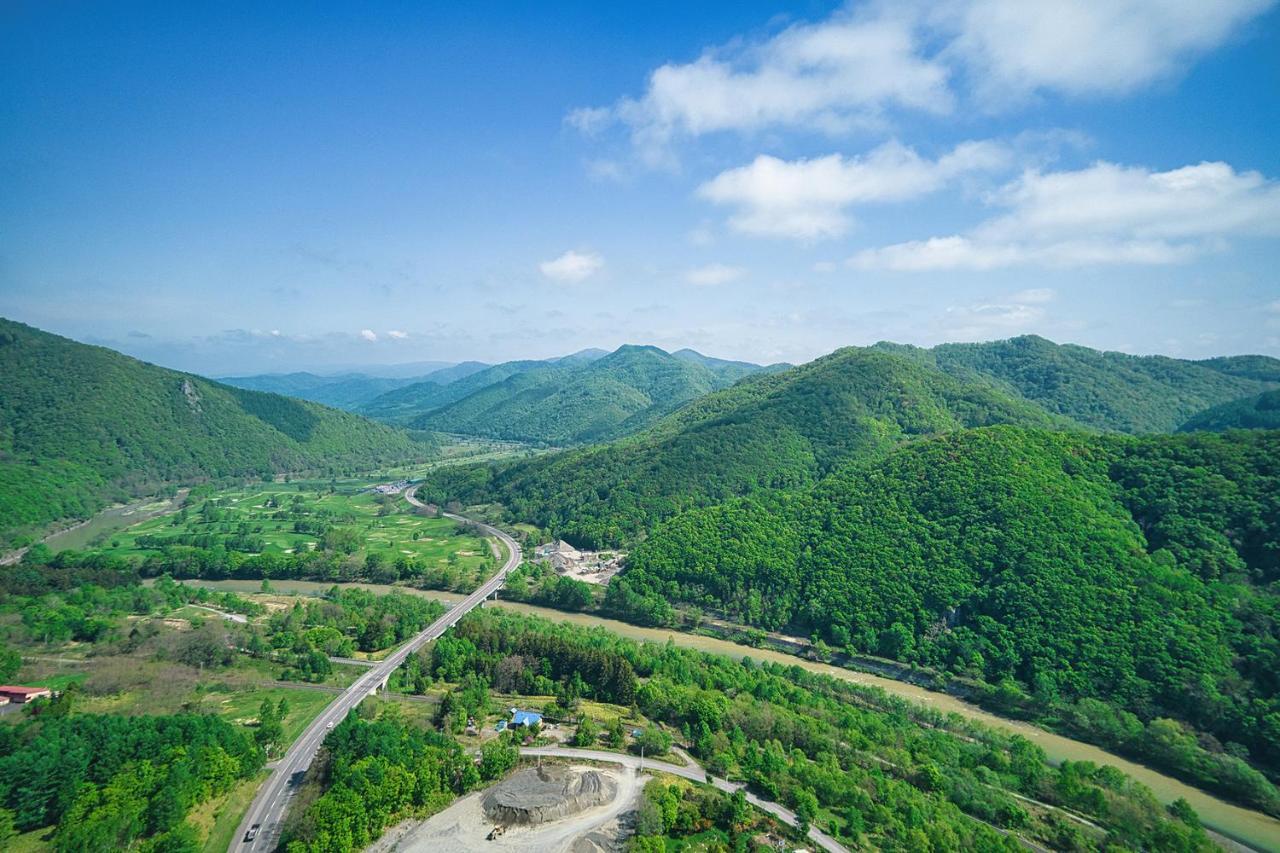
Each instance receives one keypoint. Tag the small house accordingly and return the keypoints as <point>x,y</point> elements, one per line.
<point>14,693</point>
<point>525,718</point>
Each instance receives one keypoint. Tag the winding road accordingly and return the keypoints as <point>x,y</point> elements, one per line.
<point>694,773</point>
<point>268,808</point>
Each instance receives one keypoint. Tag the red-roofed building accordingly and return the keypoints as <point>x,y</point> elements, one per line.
<point>24,694</point>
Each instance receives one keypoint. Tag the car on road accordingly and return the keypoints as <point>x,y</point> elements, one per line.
<point>252,833</point>
<point>330,725</point>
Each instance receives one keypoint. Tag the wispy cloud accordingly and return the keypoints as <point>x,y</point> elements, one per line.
<point>369,334</point>
<point>572,266</point>
<point>712,275</point>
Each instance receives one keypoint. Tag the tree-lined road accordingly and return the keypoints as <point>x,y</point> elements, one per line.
<point>268,808</point>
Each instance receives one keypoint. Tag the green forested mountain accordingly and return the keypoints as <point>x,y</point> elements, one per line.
<point>350,391</point>
<point>725,369</point>
<point>344,391</point>
<point>1103,390</point>
<point>413,401</point>
<point>1140,570</point>
<point>83,425</point>
<point>1261,367</point>
<point>1261,411</point>
<point>767,431</point>
<point>621,393</point>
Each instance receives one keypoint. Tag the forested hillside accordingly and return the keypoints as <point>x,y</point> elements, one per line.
<point>412,401</point>
<point>1141,571</point>
<point>1103,390</point>
<point>345,391</point>
<point>618,394</point>
<point>768,431</point>
<point>1261,411</point>
<point>81,426</point>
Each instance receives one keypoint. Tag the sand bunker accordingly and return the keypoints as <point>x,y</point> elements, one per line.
<point>539,794</point>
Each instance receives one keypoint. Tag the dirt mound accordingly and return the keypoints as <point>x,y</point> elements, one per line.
<point>545,793</point>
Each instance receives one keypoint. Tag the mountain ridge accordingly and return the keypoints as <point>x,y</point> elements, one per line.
<point>83,425</point>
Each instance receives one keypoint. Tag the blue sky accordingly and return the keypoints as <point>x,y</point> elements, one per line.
<point>248,189</point>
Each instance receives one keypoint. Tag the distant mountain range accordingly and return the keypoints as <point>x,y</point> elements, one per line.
<point>571,402</point>
<point>781,429</point>
<point>81,426</point>
<point>589,395</point>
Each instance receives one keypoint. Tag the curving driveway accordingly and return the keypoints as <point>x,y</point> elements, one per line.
<point>693,772</point>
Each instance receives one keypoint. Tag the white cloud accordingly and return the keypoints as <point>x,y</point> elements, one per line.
<point>1081,47</point>
<point>369,334</point>
<point>712,275</point>
<point>572,266</point>
<point>835,74</point>
<point>397,334</point>
<point>1103,214</point>
<point>850,69</point>
<point>809,199</point>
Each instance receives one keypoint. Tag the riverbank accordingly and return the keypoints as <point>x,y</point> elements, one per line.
<point>1249,827</point>
<point>81,534</point>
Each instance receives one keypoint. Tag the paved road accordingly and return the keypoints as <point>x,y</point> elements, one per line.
<point>269,807</point>
<point>695,773</point>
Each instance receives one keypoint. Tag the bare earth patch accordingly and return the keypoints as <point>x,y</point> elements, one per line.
<point>464,826</point>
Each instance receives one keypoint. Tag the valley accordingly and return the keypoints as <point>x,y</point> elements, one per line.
<point>875,508</point>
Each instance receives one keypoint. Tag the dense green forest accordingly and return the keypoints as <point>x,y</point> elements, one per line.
<point>872,770</point>
<point>1261,411</point>
<point>375,772</point>
<point>1137,570</point>
<point>559,403</point>
<point>81,426</point>
<point>114,783</point>
<point>1102,390</point>
<point>768,431</point>
<point>451,384</point>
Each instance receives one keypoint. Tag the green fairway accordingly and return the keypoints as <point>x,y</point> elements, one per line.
<point>292,518</point>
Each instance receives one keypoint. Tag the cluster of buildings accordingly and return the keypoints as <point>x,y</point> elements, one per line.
<point>390,488</point>
<point>590,566</point>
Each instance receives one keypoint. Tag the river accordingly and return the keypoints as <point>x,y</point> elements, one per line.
<point>1251,827</point>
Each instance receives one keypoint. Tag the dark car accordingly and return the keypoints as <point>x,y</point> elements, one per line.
<point>252,833</point>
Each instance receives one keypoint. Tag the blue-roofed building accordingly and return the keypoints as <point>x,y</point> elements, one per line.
<point>526,718</point>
